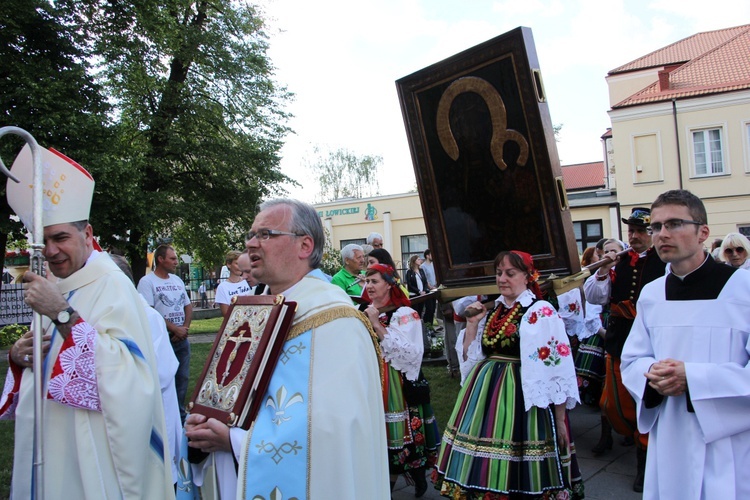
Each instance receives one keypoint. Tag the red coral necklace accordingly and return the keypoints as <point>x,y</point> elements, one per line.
<point>502,325</point>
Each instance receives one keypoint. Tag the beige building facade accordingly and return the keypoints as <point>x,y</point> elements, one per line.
<point>681,120</point>
<point>399,218</point>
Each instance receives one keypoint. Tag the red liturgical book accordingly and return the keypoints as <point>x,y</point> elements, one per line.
<point>242,359</point>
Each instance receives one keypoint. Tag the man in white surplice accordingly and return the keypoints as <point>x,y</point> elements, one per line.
<point>320,432</point>
<point>686,362</point>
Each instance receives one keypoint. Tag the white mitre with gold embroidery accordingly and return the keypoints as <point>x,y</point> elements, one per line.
<point>68,188</point>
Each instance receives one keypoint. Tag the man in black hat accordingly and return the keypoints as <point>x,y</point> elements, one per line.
<point>619,284</point>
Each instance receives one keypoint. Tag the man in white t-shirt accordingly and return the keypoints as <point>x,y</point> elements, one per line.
<point>233,285</point>
<point>165,292</point>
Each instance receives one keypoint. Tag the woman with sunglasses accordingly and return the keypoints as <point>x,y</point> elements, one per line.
<point>734,250</point>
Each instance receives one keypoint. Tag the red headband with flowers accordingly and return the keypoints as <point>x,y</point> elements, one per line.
<point>533,273</point>
<point>398,298</point>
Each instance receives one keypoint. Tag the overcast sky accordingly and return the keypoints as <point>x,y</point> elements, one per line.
<point>341,59</point>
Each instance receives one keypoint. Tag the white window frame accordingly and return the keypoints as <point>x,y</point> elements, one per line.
<point>746,143</point>
<point>706,129</point>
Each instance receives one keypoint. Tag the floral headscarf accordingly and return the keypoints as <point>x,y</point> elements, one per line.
<point>398,298</point>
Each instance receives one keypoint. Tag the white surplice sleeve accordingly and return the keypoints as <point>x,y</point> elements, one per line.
<point>719,395</point>
<point>459,305</point>
<point>636,359</point>
<point>597,291</point>
<point>402,346</point>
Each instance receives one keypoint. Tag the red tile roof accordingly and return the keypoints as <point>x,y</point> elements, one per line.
<point>583,176</point>
<point>683,50</point>
<point>713,62</point>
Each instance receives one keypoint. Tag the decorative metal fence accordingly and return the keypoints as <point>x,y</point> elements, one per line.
<point>12,307</point>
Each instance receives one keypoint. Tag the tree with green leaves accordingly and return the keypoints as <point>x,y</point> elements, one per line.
<point>198,121</point>
<point>343,174</point>
<point>45,88</point>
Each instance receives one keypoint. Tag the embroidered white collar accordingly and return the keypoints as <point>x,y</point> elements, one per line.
<point>526,298</point>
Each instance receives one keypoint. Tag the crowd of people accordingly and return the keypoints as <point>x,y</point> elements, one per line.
<point>659,341</point>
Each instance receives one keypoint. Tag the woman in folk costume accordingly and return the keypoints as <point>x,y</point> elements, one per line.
<point>381,256</point>
<point>411,428</point>
<point>508,436</point>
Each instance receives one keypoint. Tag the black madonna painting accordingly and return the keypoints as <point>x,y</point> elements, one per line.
<point>485,159</point>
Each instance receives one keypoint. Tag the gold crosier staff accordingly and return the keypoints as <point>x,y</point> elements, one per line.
<point>37,266</point>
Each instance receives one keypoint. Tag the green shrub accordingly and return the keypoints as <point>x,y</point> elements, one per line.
<point>10,333</point>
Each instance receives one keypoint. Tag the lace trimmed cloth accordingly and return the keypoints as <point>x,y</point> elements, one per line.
<point>73,381</point>
<point>402,346</point>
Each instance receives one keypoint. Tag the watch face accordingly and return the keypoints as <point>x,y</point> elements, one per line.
<point>63,316</point>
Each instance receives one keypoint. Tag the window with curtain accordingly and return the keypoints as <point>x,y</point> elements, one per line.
<point>708,156</point>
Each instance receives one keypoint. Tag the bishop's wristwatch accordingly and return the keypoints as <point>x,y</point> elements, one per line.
<point>63,317</point>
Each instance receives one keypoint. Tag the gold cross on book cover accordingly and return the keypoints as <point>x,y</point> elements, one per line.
<point>242,359</point>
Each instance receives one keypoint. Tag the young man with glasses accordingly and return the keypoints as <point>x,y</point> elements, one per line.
<point>619,286</point>
<point>686,362</point>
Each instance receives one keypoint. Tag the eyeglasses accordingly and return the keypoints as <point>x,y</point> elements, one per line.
<point>265,234</point>
<point>738,250</point>
<point>671,225</point>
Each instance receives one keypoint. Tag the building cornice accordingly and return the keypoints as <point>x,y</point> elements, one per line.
<point>365,200</point>
<point>663,108</point>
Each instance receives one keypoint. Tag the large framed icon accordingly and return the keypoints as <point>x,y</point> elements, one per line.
<point>487,169</point>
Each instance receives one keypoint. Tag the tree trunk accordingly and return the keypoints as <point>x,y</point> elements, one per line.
<point>138,260</point>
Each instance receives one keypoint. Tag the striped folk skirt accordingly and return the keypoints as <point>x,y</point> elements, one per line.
<point>493,448</point>
<point>590,358</point>
<point>411,429</point>
<point>590,369</point>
